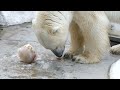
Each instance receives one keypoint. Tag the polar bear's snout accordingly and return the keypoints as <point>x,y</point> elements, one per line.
<point>58,51</point>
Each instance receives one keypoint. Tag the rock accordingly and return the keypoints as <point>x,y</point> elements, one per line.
<point>114,72</point>
<point>27,54</point>
<point>15,17</point>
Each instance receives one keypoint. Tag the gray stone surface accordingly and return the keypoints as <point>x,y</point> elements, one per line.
<point>15,17</point>
<point>2,20</point>
<point>47,66</point>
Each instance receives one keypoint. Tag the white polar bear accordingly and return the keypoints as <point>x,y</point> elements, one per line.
<point>88,29</point>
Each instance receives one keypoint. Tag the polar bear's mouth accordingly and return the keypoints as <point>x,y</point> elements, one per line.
<point>58,51</point>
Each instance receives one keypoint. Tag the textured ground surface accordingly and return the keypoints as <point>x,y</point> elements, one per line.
<point>46,65</point>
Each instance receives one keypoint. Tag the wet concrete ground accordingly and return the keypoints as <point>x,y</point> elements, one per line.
<point>47,66</point>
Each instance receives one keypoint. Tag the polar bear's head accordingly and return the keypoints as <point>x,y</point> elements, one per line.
<point>51,31</point>
<point>53,40</point>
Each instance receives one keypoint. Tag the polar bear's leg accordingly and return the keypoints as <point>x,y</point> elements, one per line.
<point>94,26</point>
<point>115,49</point>
<point>77,41</point>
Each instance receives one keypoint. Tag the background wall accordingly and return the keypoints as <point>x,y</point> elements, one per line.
<point>15,17</point>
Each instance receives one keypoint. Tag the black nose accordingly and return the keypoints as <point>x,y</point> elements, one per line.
<point>58,53</point>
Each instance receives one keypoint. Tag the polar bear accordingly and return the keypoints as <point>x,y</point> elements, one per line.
<point>88,30</point>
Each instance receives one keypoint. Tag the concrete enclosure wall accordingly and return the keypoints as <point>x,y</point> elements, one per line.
<point>15,17</point>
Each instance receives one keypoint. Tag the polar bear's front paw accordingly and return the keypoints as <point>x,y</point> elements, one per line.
<point>115,50</point>
<point>68,55</point>
<point>84,60</point>
<point>79,59</point>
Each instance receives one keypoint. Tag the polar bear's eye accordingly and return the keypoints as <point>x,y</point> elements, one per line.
<point>55,31</point>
